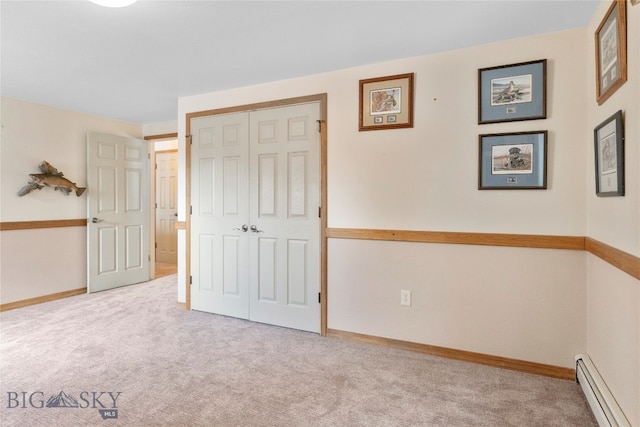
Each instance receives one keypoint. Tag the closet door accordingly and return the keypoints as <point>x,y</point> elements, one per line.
<point>220,211</point>
<point>284,216</point>
<point>255,225</point>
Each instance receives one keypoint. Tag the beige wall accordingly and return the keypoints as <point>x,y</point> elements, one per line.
<point>425,178</point>
<point>613,309</point>
<point>523,303</point>
<point>533,304</point>
<point>44,261</point>
<point>488,300</point>
<point>160,128</point>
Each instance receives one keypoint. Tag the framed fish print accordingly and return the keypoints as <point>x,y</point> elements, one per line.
<point>386,102</point>
<point>609,156</point>
<point>512,161</point>
<point>611,51</point>
<point>512,92</point>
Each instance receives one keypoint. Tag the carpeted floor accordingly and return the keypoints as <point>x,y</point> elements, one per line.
<point>128,357</point>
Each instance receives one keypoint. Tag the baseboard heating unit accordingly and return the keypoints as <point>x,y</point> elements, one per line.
<point>604,406</point>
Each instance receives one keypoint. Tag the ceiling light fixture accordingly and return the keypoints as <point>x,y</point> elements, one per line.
<point>114,3</point>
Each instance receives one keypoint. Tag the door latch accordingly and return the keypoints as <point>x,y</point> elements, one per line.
<point>254,229</point>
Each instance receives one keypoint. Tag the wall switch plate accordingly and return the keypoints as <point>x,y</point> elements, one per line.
<point>405,297</point>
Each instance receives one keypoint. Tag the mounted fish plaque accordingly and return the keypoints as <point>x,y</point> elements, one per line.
<point>50,177</point>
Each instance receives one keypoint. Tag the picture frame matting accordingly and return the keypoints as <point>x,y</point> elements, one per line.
<point>512,92</point>
<point>512,161</point>
<point>609,156</point>
<point>386,102</point>
<point>611,51</point>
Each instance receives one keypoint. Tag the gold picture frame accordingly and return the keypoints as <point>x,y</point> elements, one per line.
<point>386,102</point>
<point>611,51</point>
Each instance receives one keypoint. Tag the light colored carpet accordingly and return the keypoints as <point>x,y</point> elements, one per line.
<point>179,368</point>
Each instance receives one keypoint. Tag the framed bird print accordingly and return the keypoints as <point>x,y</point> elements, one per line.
<point>386,102</point>
<point>611,51</point>
<point>512,92</point>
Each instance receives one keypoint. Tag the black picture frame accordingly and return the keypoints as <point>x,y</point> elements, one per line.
<point>609,156</point>
<point>512,92</point>
<point>512,161</point>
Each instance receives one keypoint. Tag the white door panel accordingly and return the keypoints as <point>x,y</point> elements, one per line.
<point>117,205</point>
<point>220,206</point>
<point>285,198</point>
<point>261,170</point>
<point>166,209</point>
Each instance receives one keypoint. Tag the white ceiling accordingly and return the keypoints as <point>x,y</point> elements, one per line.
<point>133,63</point>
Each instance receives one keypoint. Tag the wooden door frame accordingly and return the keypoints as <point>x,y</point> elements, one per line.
<point>154,207</point>
<point>151,140</point>
<point>322,99</point>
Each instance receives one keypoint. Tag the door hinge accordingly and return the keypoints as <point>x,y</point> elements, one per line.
<point>319,297</point>
<point>190,210</point>
<point>319,211</point>
<point>191,280</point>
<point>190,139</point>
<point>319,125</point>
<point>156,206</point>
<point>149,258</point>
<point>156,245</point>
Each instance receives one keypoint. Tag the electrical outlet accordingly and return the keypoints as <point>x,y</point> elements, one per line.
<point>405,297</point>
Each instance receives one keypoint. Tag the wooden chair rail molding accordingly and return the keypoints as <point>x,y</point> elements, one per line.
<point>486,239</point>
<point>626,262</point>
<point>54,223</point>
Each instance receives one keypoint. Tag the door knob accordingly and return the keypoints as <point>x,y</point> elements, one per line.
<point>95,220</point>
<point>254,229</point>
<point>244,228</point>
<point>175,214</point>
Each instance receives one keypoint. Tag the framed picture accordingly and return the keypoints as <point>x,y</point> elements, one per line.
<point>609,156</point>
<point>611,51</point>
<point>512,92</point>
<point>386,102</point>
<point>512,161</point>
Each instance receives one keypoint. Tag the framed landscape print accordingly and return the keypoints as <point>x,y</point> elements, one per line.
<point>512,92</point>
<point>611,51</point>
<point>512,161</point>
<point>609,156</point>
<point>386,102</point>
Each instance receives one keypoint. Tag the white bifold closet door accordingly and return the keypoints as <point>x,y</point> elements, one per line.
<point>255,226</point>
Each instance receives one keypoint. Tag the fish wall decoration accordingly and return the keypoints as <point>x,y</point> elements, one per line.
<point>50,177</point>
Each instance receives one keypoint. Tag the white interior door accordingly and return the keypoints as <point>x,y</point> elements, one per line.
<point>255,227</point>
<point>166,207</point>
<point>118,211</point>
<point>285,202</point>
<point>219,214</point>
